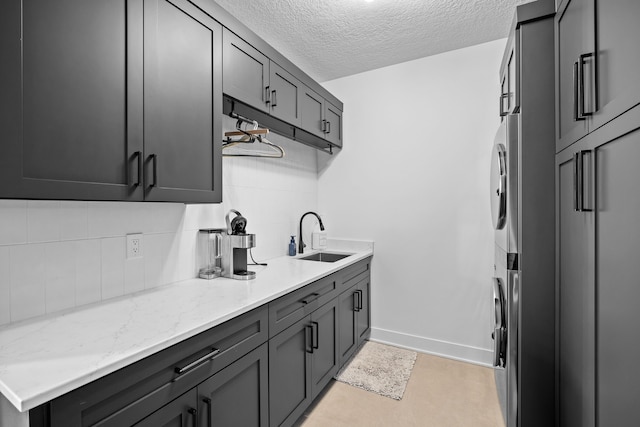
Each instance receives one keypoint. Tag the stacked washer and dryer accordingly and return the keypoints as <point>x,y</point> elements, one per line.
<point>523,214</point>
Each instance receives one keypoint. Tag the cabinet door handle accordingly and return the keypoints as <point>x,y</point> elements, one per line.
<point>138,173</point>
<point>195,363</point>
<point>575,183</point>
<point>194,413</point>
<point>360,299</point>
<point>324,126</point>
<point>581,60</point>
<point>310,298</point>
<point>328,126</point>
<point>576,90</point>
<point>580,173</point>
<point>154,164</point>
<point>316,326</point>
<point>503,112</point>
<point>356,305</point>
<point>267,94</point>
<point>308,332</point>
<point>274,97</point>
<point>207,401</point>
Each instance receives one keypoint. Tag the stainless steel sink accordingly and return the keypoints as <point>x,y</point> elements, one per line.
<point>325,257</point>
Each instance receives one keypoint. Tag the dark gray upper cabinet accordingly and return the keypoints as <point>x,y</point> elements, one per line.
<point>257,81</point>
<point>285,94</point>
<point>618,61</point>
<point>509,93</point>
<point>115,106</point>
<point>245,72</point>
<point>312,114</point>
<point>183,103</point>
<point>320,117</point>
<point>597,60</point>
<point>71,109</point>
<point>333,124</point>
<point>574,40</point>
<point>250,77</point>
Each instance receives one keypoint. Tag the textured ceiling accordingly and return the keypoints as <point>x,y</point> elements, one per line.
<point>335,38</point>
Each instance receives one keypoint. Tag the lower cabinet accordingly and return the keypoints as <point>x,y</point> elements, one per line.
<point>302,360</point>
<point>263,368</point>
<point>355,318</point>
<point>178,413</point>
<point>237,395</point>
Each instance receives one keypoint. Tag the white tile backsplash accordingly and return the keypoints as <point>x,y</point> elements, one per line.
<point>60,274</point>
<point>43,221</point>
<point>113,257</point>
<point>5,286</point>
<point>59,254</point>
<point>88,271</point>
<point>13,222</point>
<point>28,281</point>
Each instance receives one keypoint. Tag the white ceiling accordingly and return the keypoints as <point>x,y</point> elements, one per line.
<point>335,38</point>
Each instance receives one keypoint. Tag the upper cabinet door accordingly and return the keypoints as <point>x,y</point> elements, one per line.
<point>71,117</point>
<point>332,124</point>
<point>246,72</point>
<point>574,70</point>
<point>183,103</point>
<point>618,60</point>
<point>285,93</point>
<point>312,112</point>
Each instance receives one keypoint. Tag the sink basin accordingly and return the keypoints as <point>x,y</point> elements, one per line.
<point>324,257</point>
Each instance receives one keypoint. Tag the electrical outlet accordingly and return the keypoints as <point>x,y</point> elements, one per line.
<point>134,245</point>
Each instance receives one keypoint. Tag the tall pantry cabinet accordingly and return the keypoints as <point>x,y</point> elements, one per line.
<point>598,200</point>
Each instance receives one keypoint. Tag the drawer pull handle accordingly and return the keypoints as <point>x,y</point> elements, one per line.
<point>198,362</point>
<point>311,298</point>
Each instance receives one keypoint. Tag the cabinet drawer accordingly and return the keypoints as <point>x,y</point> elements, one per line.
<point>287,310</point>
<point>128,395</point>
<point>354,273</point>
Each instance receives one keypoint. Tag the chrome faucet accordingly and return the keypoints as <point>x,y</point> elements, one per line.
<point>301,244</point>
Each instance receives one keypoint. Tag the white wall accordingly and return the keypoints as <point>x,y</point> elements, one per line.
<point>56,255</point>
<point>414,177</point>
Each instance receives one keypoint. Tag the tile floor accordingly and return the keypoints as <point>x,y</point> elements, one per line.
<point>440,393</point>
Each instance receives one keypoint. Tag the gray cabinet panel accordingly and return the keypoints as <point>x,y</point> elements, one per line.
<point>364,313</point>
<point>181,412</point>
<point>312,112</point>
<point>80,102</point>
<point>183,103</point>
<point>574,37</point>
<point>348,336</point>
<point>618,61</point>
<point>618,288</point>
<point>576,299</point>
<point>333,124</point>
<point>239,394</point>
<point>246,72</point>
<point>289,373</point>
<point>285,92</point>
<point>325,346</point>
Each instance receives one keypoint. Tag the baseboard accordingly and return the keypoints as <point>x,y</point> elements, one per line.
<point>465,353</point>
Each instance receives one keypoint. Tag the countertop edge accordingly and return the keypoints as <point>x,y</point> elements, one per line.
<point>27,403</point>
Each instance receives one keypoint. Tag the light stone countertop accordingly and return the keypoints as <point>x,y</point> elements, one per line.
<point>46,357</point>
